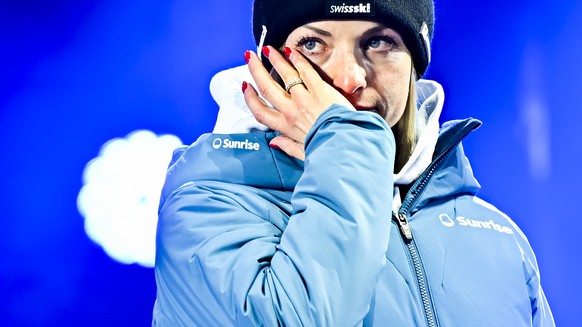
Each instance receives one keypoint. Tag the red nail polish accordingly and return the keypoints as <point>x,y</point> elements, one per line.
<point>247,56</point>
<point>287,52</point>
<point>244,86</point>
<point>266,51</point>
<point>274,146</point>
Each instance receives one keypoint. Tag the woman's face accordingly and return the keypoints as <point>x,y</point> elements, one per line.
<point>366,61</point>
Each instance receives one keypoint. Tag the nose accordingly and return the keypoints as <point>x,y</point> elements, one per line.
<point>349,76</point>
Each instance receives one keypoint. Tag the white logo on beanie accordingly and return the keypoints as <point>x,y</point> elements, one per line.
<point>347,8</point>
<point>426,39</point>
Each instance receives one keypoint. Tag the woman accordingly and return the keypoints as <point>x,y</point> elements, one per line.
<point>351,208</point>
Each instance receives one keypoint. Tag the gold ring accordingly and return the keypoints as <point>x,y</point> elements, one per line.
<point>293,82</point>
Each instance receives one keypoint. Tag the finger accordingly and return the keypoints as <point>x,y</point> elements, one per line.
<point>266,86</point>
<point>287,72</point>
<point>310,77</point>
<point>272,118</point>
<point>261,111</point>
<point>290,147</point>
<point>291,122</point>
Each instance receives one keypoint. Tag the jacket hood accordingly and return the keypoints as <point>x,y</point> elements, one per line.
<point>233,116</point>
<point>450,172</point>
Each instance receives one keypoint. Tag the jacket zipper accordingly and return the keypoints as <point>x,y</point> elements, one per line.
<point>418,270</point>
<point>401,220</point>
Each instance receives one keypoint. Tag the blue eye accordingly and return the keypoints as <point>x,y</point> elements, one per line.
<point>380,43</point>
<point>309,45</point>
<point>374,43</point>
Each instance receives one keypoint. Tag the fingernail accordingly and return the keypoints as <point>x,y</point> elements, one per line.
<point>287,52</point>
<point>244,86</point>
<point>274,146</point>
<point>247,56</point>
<point>266,51</point>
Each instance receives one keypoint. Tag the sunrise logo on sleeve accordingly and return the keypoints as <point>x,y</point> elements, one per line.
<point>234,144</point>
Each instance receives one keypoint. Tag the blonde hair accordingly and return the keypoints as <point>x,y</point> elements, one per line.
<point>405,129</point>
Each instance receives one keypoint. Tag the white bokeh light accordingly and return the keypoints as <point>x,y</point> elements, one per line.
<point>121,193</point>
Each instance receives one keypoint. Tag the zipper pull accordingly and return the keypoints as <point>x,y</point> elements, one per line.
<point>404,226</point>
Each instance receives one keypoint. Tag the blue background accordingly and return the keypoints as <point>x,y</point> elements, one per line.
<point>75,74</point>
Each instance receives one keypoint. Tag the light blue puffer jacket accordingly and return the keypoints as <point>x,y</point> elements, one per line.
<point>248,236</point>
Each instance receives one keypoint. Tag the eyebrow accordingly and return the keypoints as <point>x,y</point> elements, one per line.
<point>318,30</point>
<point>328,34</point>
<point>376,29</point>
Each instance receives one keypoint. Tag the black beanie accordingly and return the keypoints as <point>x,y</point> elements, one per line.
<point>413,19</point>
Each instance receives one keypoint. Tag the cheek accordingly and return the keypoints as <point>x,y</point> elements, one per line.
<point>395,88</point>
